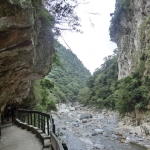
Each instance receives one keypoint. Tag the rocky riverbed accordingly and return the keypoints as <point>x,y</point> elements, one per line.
<point>83,128</point>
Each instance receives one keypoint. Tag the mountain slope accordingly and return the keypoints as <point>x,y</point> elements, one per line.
<point>68,78</point>
<point>102,85</point>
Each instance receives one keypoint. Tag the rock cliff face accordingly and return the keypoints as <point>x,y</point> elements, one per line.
<point>130,29</point>
<point>26,47</point>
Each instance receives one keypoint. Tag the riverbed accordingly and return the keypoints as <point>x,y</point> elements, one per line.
<point>98,131</point>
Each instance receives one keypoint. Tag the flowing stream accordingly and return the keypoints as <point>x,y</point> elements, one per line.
<point>99,132</point>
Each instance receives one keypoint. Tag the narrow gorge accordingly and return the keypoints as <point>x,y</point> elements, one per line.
<point>109,110</point>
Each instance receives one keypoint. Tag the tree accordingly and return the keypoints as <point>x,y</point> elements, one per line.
<point>84,95</point>
<point>46,83</point>
<point>64,13</point>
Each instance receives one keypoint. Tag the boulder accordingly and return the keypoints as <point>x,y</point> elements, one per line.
<point>84,121</point>
<point>74,104</point>
<point>122,140</point>
<point>85,116</point>
<point>63,111</point>
<point>71,108</point>
<point>99,131</point>
<point>94,134</point>
<point>63,106</point>
<point>124,135</point>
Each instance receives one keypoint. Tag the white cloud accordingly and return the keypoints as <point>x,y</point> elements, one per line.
<point>94,44</point>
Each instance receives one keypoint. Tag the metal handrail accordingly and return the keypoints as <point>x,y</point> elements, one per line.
<point>43,121</point>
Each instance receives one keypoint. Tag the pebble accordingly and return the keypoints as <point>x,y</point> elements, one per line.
<point>122,140</point>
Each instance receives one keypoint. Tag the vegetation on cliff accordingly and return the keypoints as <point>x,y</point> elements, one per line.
<point>62,12</point>
<point>122,8</point>
<point>39,96</point>
<point>105,91</point>
<point>132,92</point>
<point>65,15</point>
<point>102,85</point>
<point>62,84</point>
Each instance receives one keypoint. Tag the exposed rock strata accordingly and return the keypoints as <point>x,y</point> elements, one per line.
<point>132,35</point>
<point>26,47</point>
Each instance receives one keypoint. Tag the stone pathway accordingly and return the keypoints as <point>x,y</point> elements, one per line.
<point>15,138</point>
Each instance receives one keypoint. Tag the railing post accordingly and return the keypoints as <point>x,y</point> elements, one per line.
<point>64,146</point>
<point>18,115</point>
<point>34,118</point>
<point>39,120</point>
<point>53,126</point>
<point>24,117</point>
<point>28,117</point>
<point>31,119</point>
<point>47,125</point>
<point>44,123</point>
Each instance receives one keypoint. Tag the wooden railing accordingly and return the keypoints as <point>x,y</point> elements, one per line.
<point>43,121</point>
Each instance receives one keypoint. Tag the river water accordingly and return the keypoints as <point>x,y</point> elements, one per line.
<point>99,132</point>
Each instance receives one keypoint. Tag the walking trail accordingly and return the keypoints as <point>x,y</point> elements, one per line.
<point>15,138</point>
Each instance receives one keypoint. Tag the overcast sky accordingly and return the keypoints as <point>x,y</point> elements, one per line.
<point>94,44</point>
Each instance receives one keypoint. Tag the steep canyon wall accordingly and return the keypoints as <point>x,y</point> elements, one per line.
<point>130,30</point>
<point>26,47</point>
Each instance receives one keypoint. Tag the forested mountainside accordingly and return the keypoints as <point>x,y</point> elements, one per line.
<point>102,85</point>
<point>62,84</point>
<point>69,77</point>
<point>103,90</point>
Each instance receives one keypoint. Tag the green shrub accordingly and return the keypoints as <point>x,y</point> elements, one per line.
<point>142,28</point>
<point>46,18</point>
<point>131,94</point>
<point>39,2</point>
<point>39,108</point>
<point>51,105</point>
